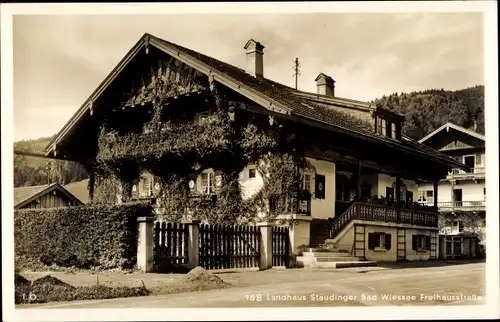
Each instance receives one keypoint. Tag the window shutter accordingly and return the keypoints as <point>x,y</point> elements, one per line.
<point>319,191</point>
<point>192,182</point>
<point>218,182</point>
<point>388,241</point>
<point>135,194</point>
<point>371,241</point>
<point>414,242</point>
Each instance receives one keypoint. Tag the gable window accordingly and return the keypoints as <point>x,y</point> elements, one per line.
<point>207,182</point>
<point>421,242</point>
<point>379,241</point>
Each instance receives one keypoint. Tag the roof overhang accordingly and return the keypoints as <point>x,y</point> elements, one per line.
<point>49,189</point>
<point>448,126</point>
<point>149,40</point>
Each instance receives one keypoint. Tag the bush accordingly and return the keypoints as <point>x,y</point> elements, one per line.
<point>51,289</point>
<point>103,236</point>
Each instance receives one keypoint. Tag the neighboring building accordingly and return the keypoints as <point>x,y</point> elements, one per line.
<point>358,194</point>
<point>462,194</point>
<point>44,196</point>
<point>80,190</point>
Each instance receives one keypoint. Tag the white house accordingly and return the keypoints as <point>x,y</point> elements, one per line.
<point>462,194</point>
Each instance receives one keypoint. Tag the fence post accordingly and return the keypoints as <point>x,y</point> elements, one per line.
<point>145,257</point>
<point>266,245</point>
<point>193,243</point>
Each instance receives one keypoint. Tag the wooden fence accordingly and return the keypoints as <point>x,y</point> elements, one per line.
<point>170,244</point>
<point>222,247</point>
<point>281,246</point>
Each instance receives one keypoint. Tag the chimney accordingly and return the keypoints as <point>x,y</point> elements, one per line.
<point>325,85</point>
<point>255,58</point>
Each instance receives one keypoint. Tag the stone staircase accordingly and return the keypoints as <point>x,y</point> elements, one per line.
<point>322,257</point>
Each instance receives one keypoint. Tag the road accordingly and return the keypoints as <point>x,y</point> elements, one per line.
<point>459,284</point>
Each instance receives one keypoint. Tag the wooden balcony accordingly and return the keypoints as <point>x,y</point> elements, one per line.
<point>382,213</point>
<point>451,206</point>
<point>474,174</point>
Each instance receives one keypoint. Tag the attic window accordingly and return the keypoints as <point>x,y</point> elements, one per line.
<point>388,128</point>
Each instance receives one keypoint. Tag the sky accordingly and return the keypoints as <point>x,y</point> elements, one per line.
<point>60,60</point>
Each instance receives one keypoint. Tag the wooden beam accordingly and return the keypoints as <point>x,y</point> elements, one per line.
<point>38,155</point>
<point>435,186</point>
<point>358,182</point>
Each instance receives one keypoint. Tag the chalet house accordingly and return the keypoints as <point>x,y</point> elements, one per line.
<point>462,194</point>
<point>207,140</point>
<point>44,196</point>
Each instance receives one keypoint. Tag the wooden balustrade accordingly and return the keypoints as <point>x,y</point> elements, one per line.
<point>385,213</point>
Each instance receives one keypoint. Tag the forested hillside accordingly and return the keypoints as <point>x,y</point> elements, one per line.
<point>31,171</point>
<point>427,110</point>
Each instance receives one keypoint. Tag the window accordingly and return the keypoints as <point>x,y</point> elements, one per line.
<point>470,161</point>
<point>409,196</point>
<point>306,184</point>
<point>388,129</point>
<point>207,183</point>
<point>460,226</point>
<point>429,194</point>
<point>383,127</point>
<point>146,186</point>
<point>394,131</point>
<point>421,242</point>
<point>379,241</point>
<point>389,193</point>
<point>251,173</point>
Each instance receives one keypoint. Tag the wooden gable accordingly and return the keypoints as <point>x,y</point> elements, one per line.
<point>452,139</point>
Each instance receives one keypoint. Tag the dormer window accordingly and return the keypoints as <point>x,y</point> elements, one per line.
<point>388,127</point>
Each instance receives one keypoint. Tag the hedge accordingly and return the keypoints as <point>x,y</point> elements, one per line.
<point>101,236</point>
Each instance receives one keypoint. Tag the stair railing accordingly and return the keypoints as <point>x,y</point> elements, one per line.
<point>339,222</point>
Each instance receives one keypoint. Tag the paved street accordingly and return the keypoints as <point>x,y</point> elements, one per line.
<point>453,285</point>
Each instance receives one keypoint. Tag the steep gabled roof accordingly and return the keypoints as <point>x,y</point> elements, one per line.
<point>269,94</point>
<point>25,195</point>
<point>455,127</point>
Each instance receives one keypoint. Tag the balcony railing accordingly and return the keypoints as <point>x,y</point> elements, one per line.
<point>458,205</point>
<point>474,173</point>
<point>384,213</point>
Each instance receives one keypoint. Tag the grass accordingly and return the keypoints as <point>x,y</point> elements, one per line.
<point>51,289</point>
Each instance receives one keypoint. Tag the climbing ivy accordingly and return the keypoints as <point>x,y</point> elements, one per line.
<point>175,152</point>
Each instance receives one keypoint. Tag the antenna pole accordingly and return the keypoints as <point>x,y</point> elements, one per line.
<point>296,69</point>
